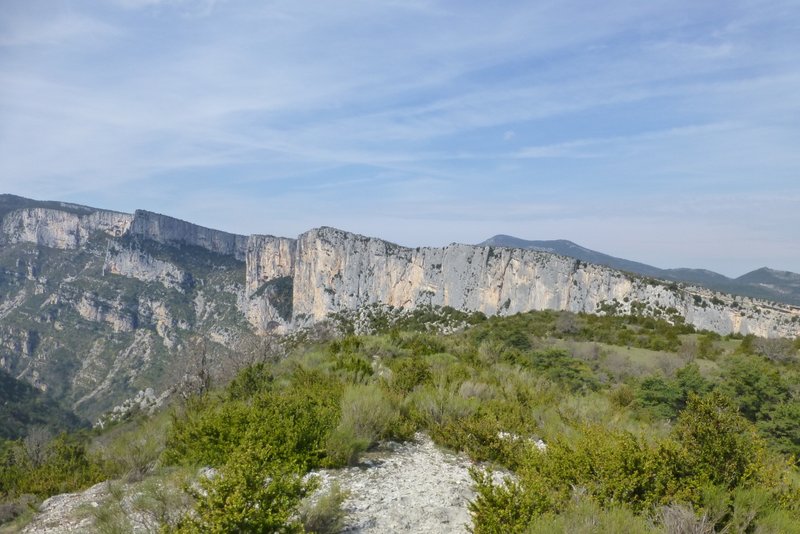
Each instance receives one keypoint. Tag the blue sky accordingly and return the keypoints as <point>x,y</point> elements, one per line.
<point>662,131</point>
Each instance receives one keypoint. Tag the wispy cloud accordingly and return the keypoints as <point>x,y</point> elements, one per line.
<point>470,115</point>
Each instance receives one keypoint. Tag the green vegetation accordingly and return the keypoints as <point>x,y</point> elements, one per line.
<point>649,426</point>
<point>23,407</point>
<point>73,352</point>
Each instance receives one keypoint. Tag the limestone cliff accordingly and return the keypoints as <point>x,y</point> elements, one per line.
<point>96,305</point>
<point>337,270</point>
<point>268,258</point>
<point>60,229</point>
<point>168,230</point>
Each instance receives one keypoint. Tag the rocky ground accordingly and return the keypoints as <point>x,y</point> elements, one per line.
<point>400,487</point>
<point>405,487</point>
<point>68,512</point>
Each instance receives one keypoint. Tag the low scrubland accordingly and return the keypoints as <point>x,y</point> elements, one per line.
<point>649,427</point>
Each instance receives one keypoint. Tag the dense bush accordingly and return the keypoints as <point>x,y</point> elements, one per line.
<point>49,466</point>
<point>664,398</point>
<point>252,492</point>
<point>290,423</point>
<point>711,446</point>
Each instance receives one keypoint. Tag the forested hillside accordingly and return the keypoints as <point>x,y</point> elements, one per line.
<point>626,423</point>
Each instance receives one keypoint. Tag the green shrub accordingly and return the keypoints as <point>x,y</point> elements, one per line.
<point>367,415</point>
<point>423,344</point>
<point>408,373</point>
<point>251,493</point>
<point>134,450</point>
<point>755,386</point>
<point>664,398</point>
<point>324,515</point>
<point>63,465</point>
<point>560,367</point>
<point>293,421</point>
<point>659,397</point>
<point>711,445</point>
<point>250,381</point>
<point>782,428</point>
<point>724,448</point>
<point>584,516</point>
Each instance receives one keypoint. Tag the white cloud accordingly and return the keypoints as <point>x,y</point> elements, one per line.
<point>416,103</point>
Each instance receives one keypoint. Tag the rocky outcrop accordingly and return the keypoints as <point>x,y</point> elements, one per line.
<point>268,258</point>
<point>336,270</point>
<point>290,282</point>
<point>405,487</point>
<point>68,229</point>
<point>138,264</point>
<point>60,229</point>
<point>171,231</point>
<point>115,314</point>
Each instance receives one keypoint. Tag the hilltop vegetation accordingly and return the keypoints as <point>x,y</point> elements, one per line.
<point>649,427</point>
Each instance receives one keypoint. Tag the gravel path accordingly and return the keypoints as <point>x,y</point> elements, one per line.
<point>406,487</point>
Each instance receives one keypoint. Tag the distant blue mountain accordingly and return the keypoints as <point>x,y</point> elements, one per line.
<point>765,283</point>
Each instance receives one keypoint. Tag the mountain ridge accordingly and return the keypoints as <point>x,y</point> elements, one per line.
<point>97,305</point>
<point>765,283</point>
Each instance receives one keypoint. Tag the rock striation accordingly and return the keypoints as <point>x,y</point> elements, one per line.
<point>168,230</point>
<point>98,305</point>
<point>291,282</point>
<point>336,270</point>
<point>60,229</point>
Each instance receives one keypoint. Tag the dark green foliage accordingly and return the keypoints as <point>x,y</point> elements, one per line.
<point>354,367</point>
<point>250,381</point>
<point>484,438</point>
<point>408,373</point>
<point>423,344</point>
<point>23,407</point>
<point>557,365</point>
<point>42,466</point>
<point>782,428</point>
<point>290,422</point>
<point>251,493</point>
<point>711,445</point>
<point>631,330</point>
<point>664,398</point>
<point>755,386</point>
<point>724,448</point>
<point>660,397</point>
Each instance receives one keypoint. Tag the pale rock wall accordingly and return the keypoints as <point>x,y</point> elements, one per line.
<point>332,270</point>
<point>60,229</point>
<point>94,309</point>
<point>140,265</point>
<point>169,230</point>
<point>268,258</point>
<point>336,270</point>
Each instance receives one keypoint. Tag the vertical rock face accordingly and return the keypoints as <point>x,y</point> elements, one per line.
<point>60,229</point>
<point>268,258</point>
<point>168,230</point>
<point>290,282</point>
<point>137,264</point>
<point>335,270</point>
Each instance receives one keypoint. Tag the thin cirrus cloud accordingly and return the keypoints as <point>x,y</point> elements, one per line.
<point>547,119</point>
